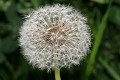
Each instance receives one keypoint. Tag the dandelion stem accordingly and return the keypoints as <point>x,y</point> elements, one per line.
<point>57,73</point>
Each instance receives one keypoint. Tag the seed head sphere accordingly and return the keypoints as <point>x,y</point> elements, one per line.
<point>54,35</point>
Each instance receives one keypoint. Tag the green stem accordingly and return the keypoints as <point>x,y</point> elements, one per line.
<point>57,73</point>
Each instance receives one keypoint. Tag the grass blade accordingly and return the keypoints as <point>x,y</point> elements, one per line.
<point>91,60</point>
<point>109,69</point>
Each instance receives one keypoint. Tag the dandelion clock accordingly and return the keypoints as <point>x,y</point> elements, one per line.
<point>53,37</point>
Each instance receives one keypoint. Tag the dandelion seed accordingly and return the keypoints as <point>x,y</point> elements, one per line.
<point>55,35</point>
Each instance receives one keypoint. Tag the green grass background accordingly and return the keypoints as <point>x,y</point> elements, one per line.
<point>102,62</point>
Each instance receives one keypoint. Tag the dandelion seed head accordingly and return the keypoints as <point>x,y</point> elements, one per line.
<point>55,35</point>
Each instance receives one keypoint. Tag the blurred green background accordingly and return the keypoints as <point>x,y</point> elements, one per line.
<point>103,62</point>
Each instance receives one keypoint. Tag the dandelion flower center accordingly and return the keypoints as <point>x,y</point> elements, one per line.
<point>56,35</point>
